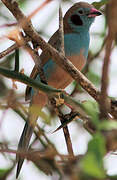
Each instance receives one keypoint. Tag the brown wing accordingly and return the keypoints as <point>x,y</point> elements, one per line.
<point>45,56</point>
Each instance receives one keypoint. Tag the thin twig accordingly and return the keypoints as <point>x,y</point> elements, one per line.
<point>61,32</point>
<point>13,47</point>
<point>8,50</point>
<point>61,50</point>
<point>8,25</point>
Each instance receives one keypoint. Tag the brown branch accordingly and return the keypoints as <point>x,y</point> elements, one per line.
<point>105,104</point>
<point>112,18</point>
<point>14,47</point>
<point>67,136</point>
<point>61,50</point>
<point>61,32</point>
<point>8,25</point>
<point>8,50</point>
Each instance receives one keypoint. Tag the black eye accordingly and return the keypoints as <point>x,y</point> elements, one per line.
<point>75,19</point>
<point>81,12</point>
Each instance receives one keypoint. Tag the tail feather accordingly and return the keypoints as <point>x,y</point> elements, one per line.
<point>26,135</point>
<point>23,145</point>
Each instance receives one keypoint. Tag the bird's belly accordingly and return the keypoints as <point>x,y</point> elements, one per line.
<point>59,78</point>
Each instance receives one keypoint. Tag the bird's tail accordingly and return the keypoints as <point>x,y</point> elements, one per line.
<point>24,141</point>
<point>40,99</point>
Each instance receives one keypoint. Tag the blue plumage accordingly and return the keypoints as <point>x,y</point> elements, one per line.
<point>73,43</point>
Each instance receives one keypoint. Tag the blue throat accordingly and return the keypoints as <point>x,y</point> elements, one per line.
<point>74,43</point>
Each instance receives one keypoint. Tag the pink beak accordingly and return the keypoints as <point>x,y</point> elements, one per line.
<point>94,12</point>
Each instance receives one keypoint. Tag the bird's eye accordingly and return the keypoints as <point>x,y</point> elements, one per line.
<point>75,19</point>
<point>81,12</point>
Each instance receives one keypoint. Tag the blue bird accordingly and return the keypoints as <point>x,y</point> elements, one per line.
<point>77,22</point>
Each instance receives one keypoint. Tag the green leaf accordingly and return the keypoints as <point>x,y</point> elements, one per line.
<point>91,167</point>
<point>108,125</point>
<point>97,146</point>
<point>98,5</point>
<point>3,172</point>
<point>92,163</point>
<point>23,3</point>
<point>91,108</point>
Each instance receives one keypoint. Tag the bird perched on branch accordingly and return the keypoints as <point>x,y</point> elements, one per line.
<point>77,22</point>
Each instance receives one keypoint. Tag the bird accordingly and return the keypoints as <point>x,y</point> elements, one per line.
<point>76,23</point>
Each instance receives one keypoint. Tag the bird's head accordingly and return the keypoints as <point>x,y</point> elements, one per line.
<point>80,17</point>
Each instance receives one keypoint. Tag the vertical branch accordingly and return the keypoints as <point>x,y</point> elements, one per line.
<point>61,50</point>
<point>112,18</point>
<point>61,31</point>
<point>104,100</point>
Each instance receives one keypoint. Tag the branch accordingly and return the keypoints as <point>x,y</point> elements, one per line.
<point>26,80</point>
<point>112,32</point>
<point>62,118</point>
<point>105,104</point>
<point>61,32</point>
<point>8,50</point>
<point>13,47</point>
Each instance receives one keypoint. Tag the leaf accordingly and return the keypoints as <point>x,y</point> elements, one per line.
<point>92,163</point>
<point>98,5</point>
<point>91,108</point>
<point>23,3</point>
<point>4,173</point>
<point>108,125</point>
<point>97,145</point>
<point>90,166</point>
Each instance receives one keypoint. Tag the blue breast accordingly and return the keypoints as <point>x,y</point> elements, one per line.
<point>73,43</point>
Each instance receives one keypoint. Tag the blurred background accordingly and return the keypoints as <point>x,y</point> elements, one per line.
<point>11,124</point>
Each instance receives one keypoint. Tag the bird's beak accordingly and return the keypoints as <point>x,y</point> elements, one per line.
<point>94,12</point>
